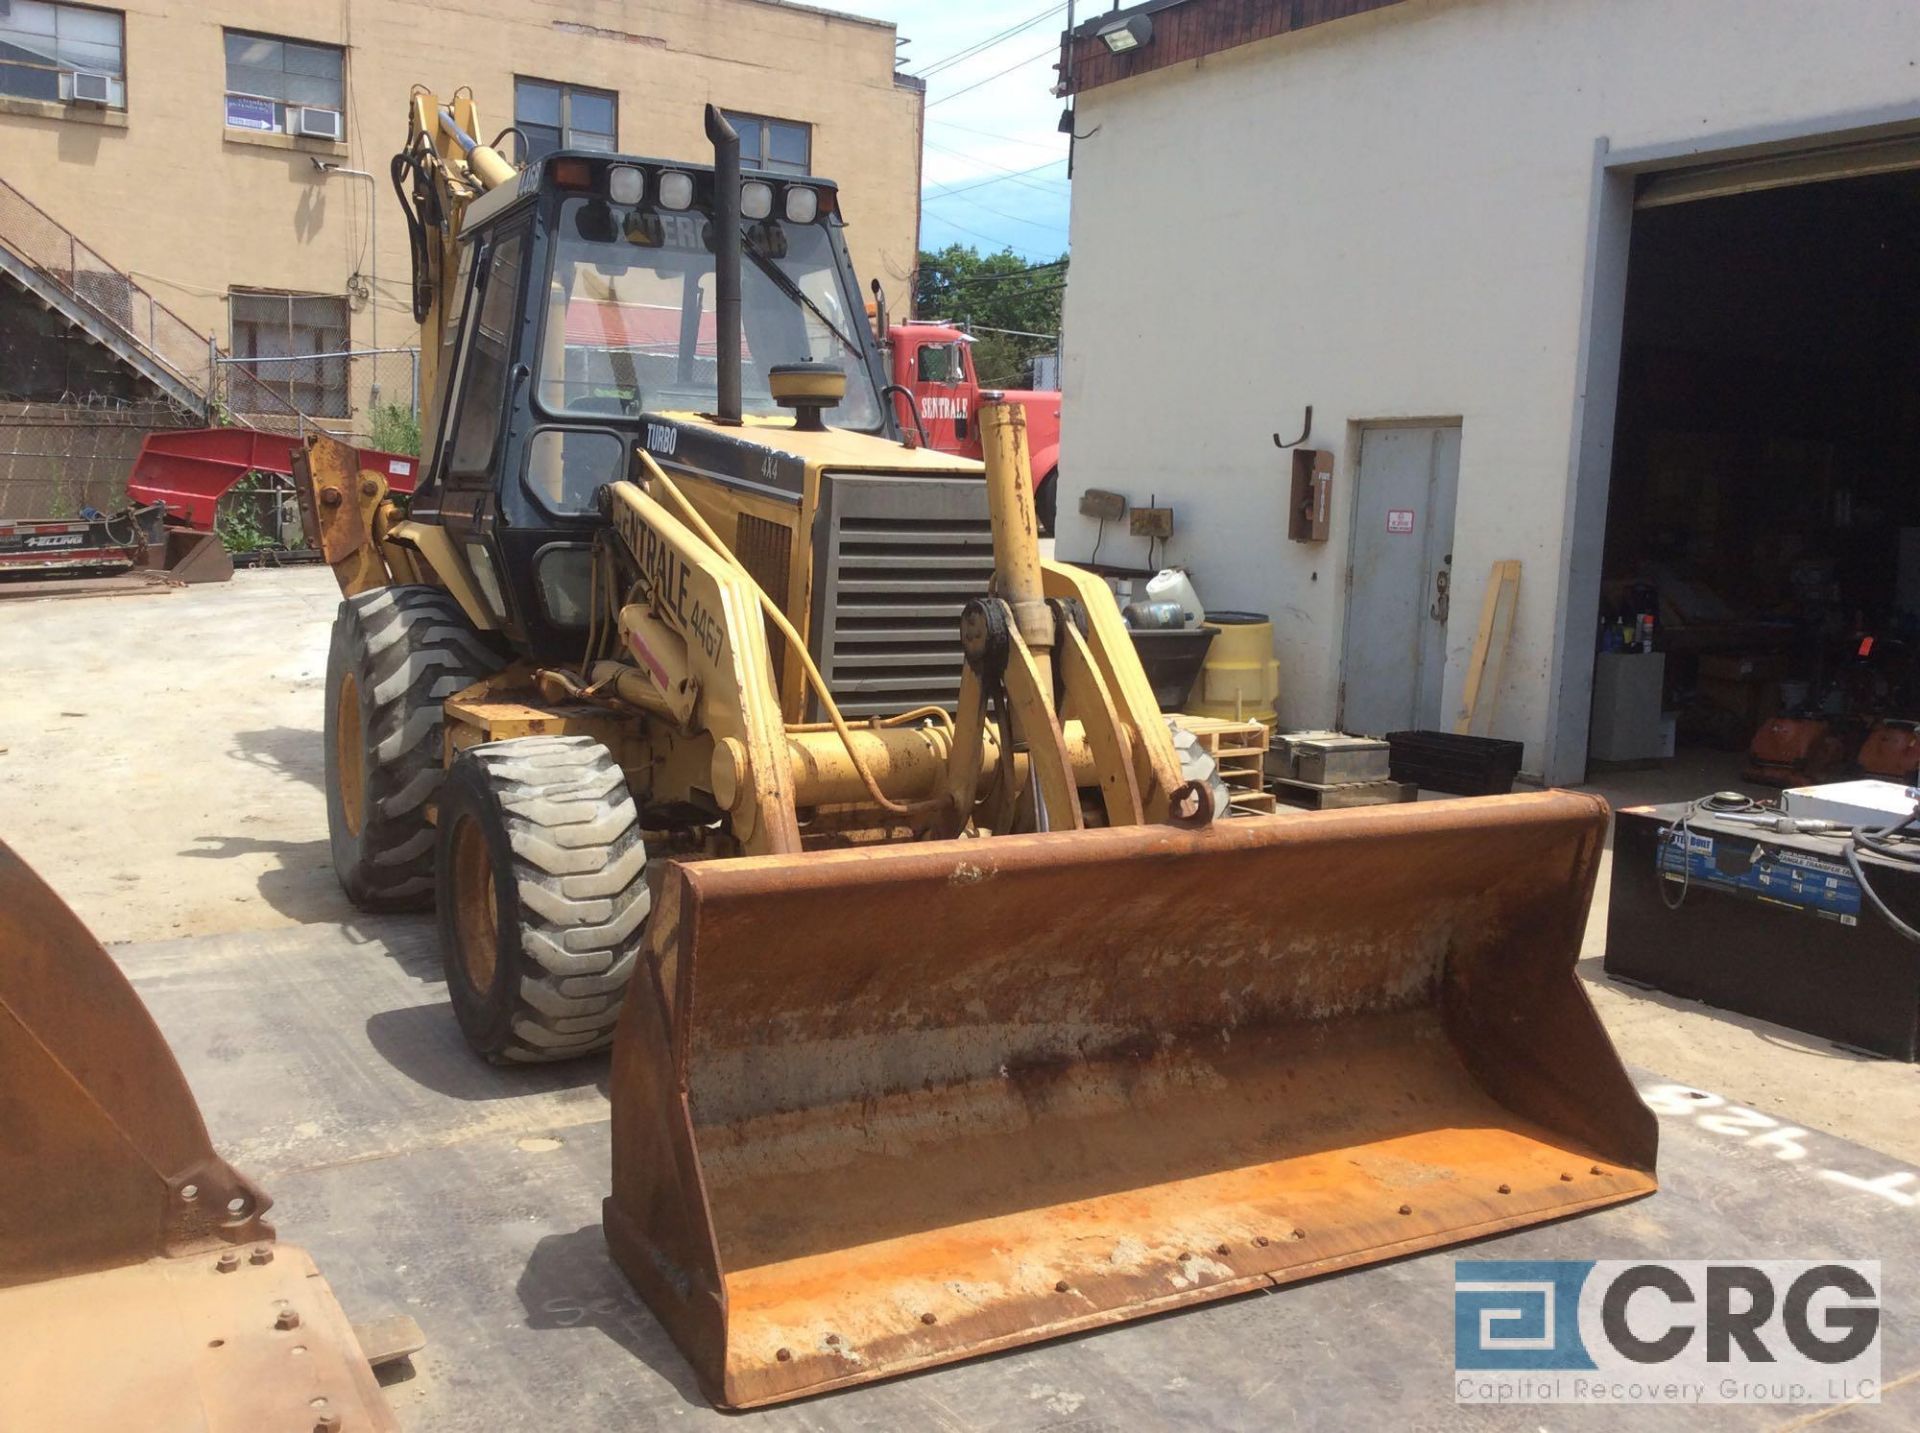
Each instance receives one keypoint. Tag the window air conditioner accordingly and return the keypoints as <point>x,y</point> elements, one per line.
<point>316,123</point>
<point>90,88</point>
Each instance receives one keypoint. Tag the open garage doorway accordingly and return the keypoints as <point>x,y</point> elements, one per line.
<point>1762,548</point>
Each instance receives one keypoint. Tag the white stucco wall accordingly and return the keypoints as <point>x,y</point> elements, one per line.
<point>1388,217</point>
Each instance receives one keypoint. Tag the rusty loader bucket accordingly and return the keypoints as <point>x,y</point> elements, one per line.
<point>885,1109</point>
<point>140,1286</point>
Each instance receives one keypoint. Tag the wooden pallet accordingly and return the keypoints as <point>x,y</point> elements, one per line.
<point>1306,795</point>
<point>1241,749</point>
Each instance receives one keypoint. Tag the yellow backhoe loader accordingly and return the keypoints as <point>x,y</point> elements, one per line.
<point>764,746</point>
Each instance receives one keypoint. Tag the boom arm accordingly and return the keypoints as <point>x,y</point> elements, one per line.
<point>448,168</point>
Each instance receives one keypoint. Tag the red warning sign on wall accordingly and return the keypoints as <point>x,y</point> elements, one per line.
<point>1399,519</point>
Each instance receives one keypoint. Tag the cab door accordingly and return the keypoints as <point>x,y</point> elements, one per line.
<point>943,388</point>
<point>483,390</point>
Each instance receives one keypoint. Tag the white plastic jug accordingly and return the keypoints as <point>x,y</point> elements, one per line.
<point>1171,584</point>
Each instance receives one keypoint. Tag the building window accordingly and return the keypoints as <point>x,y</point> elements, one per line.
<point>272,83</point>
<point>555,116</point>
<point>43,46</point>
<point>289,353</point>
<point>784,146</point>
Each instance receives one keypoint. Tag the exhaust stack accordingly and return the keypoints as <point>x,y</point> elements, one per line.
<point>726,262</point>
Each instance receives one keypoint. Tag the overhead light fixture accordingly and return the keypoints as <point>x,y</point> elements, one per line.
<point>1066,120</point>
<point>1120,36</point>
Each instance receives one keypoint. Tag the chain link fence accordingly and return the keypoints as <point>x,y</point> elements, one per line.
<point>368,396</point>
<point>48,246</point>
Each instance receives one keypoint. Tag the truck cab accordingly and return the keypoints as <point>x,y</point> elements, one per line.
<point>934,363</point>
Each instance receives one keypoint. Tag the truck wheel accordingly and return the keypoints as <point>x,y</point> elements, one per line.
<point>1199,764</point>
<point>397,653</point>
<point>1044,498</point>
<point>543,895</point>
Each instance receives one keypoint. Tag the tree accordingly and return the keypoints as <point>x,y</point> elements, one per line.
<point>994,291</point>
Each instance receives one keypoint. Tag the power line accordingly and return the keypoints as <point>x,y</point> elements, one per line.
<point>947,189</point>
<point>1008,138</point>
<point>1030,223</point>
<point>1011,174</point>
<point>999,37</point>
<point>990,238</point>
<point>997,74</point>
<point>990,278</point>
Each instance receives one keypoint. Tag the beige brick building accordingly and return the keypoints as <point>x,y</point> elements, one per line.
<point>184,143</point>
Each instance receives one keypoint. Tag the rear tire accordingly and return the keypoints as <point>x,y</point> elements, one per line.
<point>542,875</point>
<point>1045,495</point>
<point>397,653</point>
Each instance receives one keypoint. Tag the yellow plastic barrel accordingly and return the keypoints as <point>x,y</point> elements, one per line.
<point>1240,680</point>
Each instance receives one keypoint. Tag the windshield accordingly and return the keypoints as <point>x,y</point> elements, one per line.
<point>630,321</point>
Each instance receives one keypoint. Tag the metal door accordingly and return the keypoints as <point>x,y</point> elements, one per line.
<point>1399,578</point>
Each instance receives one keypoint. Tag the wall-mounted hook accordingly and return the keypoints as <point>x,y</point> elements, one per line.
<point>1306,428</point>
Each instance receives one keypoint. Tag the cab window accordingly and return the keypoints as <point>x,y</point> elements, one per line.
<point>489,346</point>
<point>941,363</point>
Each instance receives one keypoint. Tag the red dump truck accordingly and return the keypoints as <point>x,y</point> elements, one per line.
<point>934,363</point>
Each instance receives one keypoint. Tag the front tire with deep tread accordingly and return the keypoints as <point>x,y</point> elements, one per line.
<point>397,654</point>
<point>542,874</point>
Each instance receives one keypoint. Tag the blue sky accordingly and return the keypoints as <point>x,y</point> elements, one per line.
<point>995,165</point>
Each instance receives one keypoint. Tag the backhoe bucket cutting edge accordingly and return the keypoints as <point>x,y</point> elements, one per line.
<point>883,1109</point>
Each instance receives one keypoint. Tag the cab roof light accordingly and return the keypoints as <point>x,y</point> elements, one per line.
<point>626,184</point>
<point>803,204</point>
<point>675,189</point>
<point>571,174</point>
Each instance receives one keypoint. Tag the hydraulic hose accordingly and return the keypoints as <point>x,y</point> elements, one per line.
<point>779,620</point>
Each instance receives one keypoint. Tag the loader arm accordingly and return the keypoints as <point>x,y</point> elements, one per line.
<point>697,654</point>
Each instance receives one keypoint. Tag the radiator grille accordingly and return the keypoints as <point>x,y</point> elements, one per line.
<point>898,558</point>
<point>765,549</point>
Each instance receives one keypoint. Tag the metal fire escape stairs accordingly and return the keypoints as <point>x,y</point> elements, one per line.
<point>48,262</point>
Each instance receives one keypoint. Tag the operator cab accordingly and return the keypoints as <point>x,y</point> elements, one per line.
<point>586,302</point>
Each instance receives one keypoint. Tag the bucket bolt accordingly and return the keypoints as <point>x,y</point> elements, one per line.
<point>288,1319</point>
<point>1061,1286</point>
<point>227,1262</point>
<point>929,1319</point>
<point>1406,1209</point>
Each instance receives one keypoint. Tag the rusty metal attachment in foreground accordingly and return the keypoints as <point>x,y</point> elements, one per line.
<point>878,1110</point>
<point>140,1286</point>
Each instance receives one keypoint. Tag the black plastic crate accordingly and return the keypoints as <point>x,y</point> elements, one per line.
<point>1457,765</point>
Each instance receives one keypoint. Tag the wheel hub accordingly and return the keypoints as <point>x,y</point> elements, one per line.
<point>475,921</point>
<point>348,757</point>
